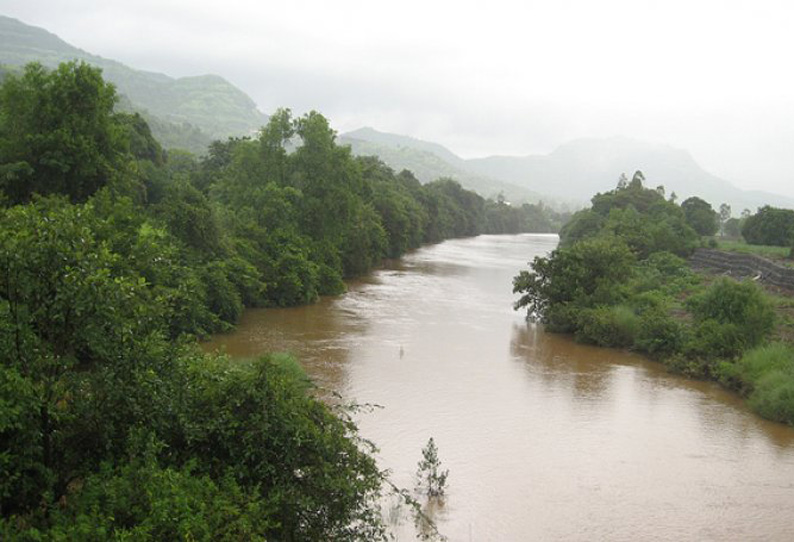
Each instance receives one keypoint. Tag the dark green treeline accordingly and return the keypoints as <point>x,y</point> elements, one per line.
<point>273,220</point>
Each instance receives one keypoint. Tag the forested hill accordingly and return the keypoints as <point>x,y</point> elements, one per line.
<point>430,161</point>
<point>188,112</point>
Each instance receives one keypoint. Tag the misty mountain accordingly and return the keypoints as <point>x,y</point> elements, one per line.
<point>573,173</point>
<point>188,112</point>
<point>583,167</point>
<point>430,161</point>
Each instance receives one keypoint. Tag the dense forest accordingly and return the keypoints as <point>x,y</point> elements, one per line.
<point>619,279</point>
<point>115,255</point>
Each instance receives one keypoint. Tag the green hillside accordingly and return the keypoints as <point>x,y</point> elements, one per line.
<point>430,161</point>
<point>188,112</point>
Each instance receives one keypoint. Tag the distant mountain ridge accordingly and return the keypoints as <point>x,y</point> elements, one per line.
<point>576,170</point>
<point>430,161</point>
<point>189,110</point>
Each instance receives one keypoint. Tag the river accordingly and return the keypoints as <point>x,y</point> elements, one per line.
<point>544,438</point>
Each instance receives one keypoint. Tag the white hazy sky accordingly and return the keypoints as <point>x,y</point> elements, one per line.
<point>500,77</point>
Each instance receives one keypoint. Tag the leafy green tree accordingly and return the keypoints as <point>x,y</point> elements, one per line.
<point>191,218</point>
<point>257,424</point>
<point>142,144</point>
<point>87,379</point>
<point>431,480</point>
<point>66,314</point>
<point>769,226</point>
<point>699,214</point>
<point>586,274</point>
<point>641,216</point>
<point>58,134</point>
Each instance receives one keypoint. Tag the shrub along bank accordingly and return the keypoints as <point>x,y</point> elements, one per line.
<point>619,279</point>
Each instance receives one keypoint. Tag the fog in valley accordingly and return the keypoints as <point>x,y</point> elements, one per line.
<point>502,78</point>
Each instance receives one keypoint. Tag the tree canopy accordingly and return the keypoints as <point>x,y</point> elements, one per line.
<point>769,226</point>
<point>58,133</point>
<point>700,216</point>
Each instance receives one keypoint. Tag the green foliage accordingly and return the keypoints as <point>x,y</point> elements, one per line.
<point>586,275</point>
<point>700,216</point>
<point>246,453</point>
<point>659,334</point>
<point>741,308</point>
<point>142,145</point>
<point>190,217</point>
<point>67,315</point>
<point>58,134</point>
<point>645,221</point>
<point>584,223</point>
<point>145,501</point>
<point>97,303</point>
<point>615,326</point>
<point>501,217</point>
<point>769,226</point>
<point>186,113</point>
<point>431,481</point>
<point>618,280</point>
<point>664,274</point>
<point>255,424</point>
<point>766,373</point>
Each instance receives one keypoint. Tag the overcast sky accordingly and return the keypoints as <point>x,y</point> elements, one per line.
<point>490,77</point>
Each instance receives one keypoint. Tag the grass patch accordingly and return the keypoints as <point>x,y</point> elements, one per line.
<point>768,372</point>
<point>766,251</point>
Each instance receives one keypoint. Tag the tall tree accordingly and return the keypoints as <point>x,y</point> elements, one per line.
<point>725,215</point>
<point>58,134</point>
<point>700,215</point>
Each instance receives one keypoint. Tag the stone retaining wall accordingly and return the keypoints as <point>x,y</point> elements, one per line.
<point>742,266</point>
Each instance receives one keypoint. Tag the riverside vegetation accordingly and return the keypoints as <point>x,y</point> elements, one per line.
<point>619,279</point>
<point>115,255</point>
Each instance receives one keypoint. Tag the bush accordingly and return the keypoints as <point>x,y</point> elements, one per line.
<point>712,339</point>
<point>146,502</point>
<point>659,333</point>
<point>223,298</point>
<point>692,367</point>
<point>768,373</point>
<point>256,423</point>
<point>608,326</point>
<point>742,306</point>
<point>769,226</point>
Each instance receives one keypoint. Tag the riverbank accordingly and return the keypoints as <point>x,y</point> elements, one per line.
<point>545,438</point>
<point>618,279</point>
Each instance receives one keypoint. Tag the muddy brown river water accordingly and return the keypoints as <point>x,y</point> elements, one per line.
<point>545,439</point>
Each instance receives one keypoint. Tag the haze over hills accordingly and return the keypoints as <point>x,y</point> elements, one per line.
<point>430,161</point>
<point>188,112</point>
<point>574,171</point>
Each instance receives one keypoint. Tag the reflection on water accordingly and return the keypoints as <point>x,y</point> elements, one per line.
<point>544,438</point>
